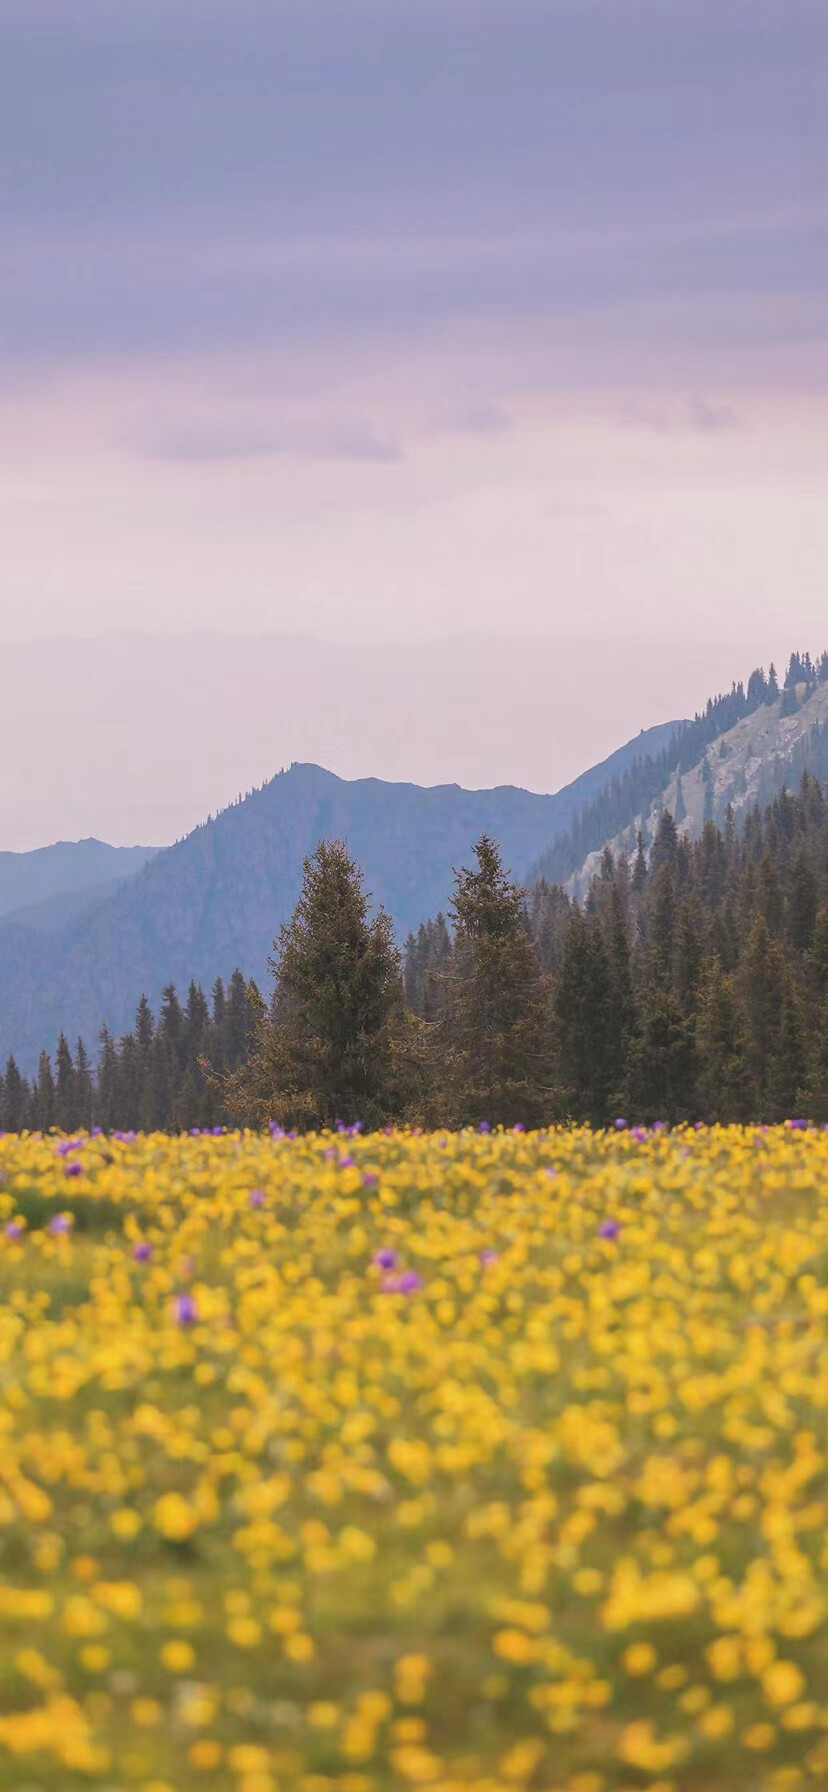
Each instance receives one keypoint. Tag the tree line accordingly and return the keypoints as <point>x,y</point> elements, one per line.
<point>152,1079</point>
<point>690,984</point>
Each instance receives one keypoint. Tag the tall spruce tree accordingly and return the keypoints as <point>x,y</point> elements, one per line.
<point>492,1044</point>
<point>43,1100</point>
<point>16,1099</point>
<point>333,1045</point>
<point>66,1109</point>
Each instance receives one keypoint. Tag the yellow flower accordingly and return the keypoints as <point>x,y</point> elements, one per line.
<point>514,1645</point>
<point>783,1683</point>
<point>205,1753</point>
<point>125,1523</point>
<point>178,1655</point>
<point>323,1714</point>
<point>716,1722</point>
<point>174,1518</point>
<point>246,1633</point>
<point>639,1658</point>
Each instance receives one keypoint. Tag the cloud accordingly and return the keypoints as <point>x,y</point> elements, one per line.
<point>665,415</point>
<point>216,438</point>
<point>208,176</point>
<point>472,417</point>
<point>713,418</point>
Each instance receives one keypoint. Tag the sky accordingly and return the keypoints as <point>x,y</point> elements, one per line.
<point>392,321</point>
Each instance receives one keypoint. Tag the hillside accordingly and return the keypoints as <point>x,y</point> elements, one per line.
<point>217,898</point>
<point>748,764</point>
<point>76,867</point>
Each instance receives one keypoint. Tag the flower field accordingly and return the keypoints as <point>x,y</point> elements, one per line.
<point>489,1461</point>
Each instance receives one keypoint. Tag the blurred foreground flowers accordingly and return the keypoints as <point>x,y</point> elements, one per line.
<point>400,1461</point>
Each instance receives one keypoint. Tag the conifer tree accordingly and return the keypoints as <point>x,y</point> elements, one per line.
<point>84,1086</point>
<point>238,1023</point>
<point>108,1092</point>
<point>802,905</point>
<point>493,1042</point>
<point>66,1106</point>
<point>16,1098</point>
<point>332,1046</point>
<point>585,1006</point>
<point>43,1102</point>
<point>762,989</point>
<point>720,1046</point>
<point>216,1053</point>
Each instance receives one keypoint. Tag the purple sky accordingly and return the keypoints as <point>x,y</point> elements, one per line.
<point>393,319</point>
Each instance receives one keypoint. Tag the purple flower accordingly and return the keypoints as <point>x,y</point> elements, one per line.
<point>60,1224</point>
<point>407,1283</point>
<point>346,1162</point>
<point>484,1126</point>
<point>385,1259</point>
<point>519,1127</point>
<point>609,1229</point>
<point>256,1197</point>
<point>620,1125</point>
<point>798,1125</point>
<point>73,1169</point>
<point>487,1257</point>
<point>275,1130</point>
<point>142,1251</point>
<point>67,1145</point>
<point>551,1170</point>
<point>186,1311</point>
<point>369,1179</point>
<point>13,1229</point>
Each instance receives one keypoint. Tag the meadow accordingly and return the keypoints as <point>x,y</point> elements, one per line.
<point>492,1461</point>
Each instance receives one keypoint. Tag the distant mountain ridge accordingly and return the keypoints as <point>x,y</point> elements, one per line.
<point>217,898</point>
<point>28,879</point>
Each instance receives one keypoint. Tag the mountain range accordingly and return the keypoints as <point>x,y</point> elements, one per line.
<point>81,955</point>
<point>217,898</point>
